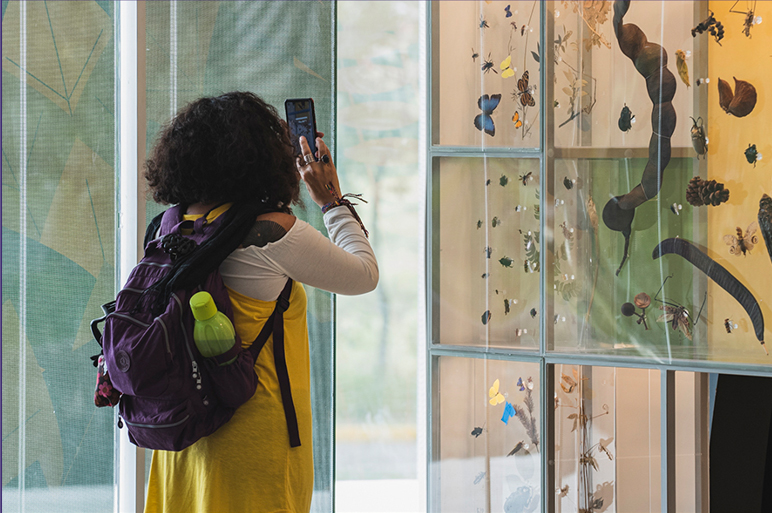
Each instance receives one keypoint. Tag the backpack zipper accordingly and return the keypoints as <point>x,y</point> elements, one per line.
<point>154,426</point>
<point>145,325</point>
<point>194,364</point>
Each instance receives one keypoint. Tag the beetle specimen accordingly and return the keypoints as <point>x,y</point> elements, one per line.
<point>568,183</point>
<point>626,119</point>
<point>742,243</point>
<point>750,18</point>
<point>506,306</point>
<point>677,314</point>
<point>477,431</point>
<point>533,312</point>
<point>486,316</point>
<point>503,181</point>
<point>506,261</point>
<point>479,224</point>
<point>699,137</point>
<point>676,208</point>
<point>751,155</point>
<point>495,221</point>
<point>528,176</point>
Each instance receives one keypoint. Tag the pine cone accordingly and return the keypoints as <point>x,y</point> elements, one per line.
<point>693,192</point>
<point>713,193</point>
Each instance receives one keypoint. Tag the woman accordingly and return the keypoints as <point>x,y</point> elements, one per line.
<point>231,155</point>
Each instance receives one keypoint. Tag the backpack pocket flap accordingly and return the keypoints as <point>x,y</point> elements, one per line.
<point>235,383</point>
<point>156,423</point>
<point>138,355</point>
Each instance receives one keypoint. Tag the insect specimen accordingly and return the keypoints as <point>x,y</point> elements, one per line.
<point>712,26</point>
<point>562,492</point>
<point>626,119</point>
<point>504,180</point>
<point>479,224</point>
<point>676,314</point>
<point>567,383</point>
<point>765,221</point>
<point>479,477</point>
<point>527,176</point>
<point>487,182</point>
<point>477,431</point>
<point>475,55</point>
<point>603,444</point>
<point>527,266</point>
<point>699,137</point>
<point>488,251</point>
<point>524,92</point>
<point>741,102</point>
<point>751,155</point>
<point>525,384</point>
<point>509,412</point>
<point>516,119</point>
<point>533,312</point>
<point>676,208</point>
<point>568,183</point>
<point>506,306</point>
<point>555,104</point>
<point>506,261</point>
<point>729,325</point>
<point>483,23</point>
<point>682,67</point>
<point>522,29</point>
<point>495,222</point>
<point>485,276</point>
<point>507,11</point>
<point>483,121</point>
<point>742,243</point>
<point>720,277</point>
<point>568,233</point>
<point>495,396</point>
<point>486,317</point>
<point>506,68</point>
<point>750,18</point>
<point>517,448</point>
<point>520,208</point>
<point>487,65</point>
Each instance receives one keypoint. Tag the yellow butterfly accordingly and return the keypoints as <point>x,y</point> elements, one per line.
<point>516,120</point>
<point>496,396</point>
<point>506,70</point>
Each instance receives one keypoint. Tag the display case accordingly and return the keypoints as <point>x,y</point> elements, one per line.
<point>597,206</point>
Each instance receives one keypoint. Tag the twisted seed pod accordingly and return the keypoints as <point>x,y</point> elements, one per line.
<point>719,275</point>
<point>650,61</point>
<point>765,221</point>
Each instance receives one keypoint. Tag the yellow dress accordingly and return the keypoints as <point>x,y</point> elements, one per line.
<point>248,466</point>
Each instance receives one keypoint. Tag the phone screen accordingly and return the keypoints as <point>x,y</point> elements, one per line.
<point>302,121</point>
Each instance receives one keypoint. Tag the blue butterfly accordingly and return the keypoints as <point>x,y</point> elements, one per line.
<point>509,412</point>
<point>487,105</point>
<point>509,14</point>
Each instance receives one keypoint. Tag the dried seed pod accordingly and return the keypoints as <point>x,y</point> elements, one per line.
<point>642,300</point>
<point>765,221</point>
<point>628,309</point>
<point>741,102</point>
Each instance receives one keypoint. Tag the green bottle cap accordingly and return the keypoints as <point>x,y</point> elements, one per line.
<point>203,306</point>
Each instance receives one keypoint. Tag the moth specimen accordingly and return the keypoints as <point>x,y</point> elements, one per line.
<point>626,119</point>
<point>677,314</point>
<point>699,137</point>
<point>742,242</point>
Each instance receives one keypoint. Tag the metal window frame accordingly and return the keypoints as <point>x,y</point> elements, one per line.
<point>545,355</point>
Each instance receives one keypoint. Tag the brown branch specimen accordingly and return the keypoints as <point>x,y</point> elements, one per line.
<point>650,60</point>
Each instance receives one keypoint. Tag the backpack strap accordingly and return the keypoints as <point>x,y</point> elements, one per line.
<point>275,325</point>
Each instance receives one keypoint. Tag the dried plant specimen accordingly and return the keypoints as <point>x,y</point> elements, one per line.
<point>765,221</point>
<point>741,102</point>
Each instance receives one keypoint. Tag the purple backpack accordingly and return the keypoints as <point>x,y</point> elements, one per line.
<point>171,395</point>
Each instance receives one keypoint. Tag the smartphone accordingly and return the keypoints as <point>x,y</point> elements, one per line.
<point>301,119</point>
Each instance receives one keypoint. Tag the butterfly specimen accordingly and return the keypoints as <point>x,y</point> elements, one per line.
<point>524,91</point>
<point>486,317</point>
<point>525,384</point>
<point>626,119</point>
<point>752,155</point>
<point>475,55</point>
<point>516,120</point>
<point>683,69</point>
<point>483,23</point>
<point>506,261</point>
<point>729,325</point>
<point>741,102</point>
<point>487,105</point>
<point>517,448</point>
<point>506,10</point>
<point>477,431</point>
<point>487,65</point>
<point>506,68</point>
<point>527,176</point>
<point>509,412</point>
<point>495,396</point>
<point>699,137</point>
<point>750,18</point>
<point>479,477</point>
<point>742,243</point>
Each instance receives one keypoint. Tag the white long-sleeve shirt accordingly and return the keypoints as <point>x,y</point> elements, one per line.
<point>343,264</point>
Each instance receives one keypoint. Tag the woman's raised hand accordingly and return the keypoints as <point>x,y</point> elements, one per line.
<point>319,175</point>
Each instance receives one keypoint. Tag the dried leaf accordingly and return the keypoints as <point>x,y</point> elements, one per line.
<point>744,98</point>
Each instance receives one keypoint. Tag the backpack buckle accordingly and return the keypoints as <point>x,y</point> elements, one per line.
<point>282,304</point>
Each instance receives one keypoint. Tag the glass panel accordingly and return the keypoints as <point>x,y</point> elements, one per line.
<point>204,48</point>
<point>691,442</point>
<point>607,439</point>
<point>486,49</point>
<point>486,436</point>
<point>58,252</point>
<point>486,252</point>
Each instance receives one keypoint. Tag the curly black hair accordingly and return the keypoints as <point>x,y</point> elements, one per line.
<point>228,148</point>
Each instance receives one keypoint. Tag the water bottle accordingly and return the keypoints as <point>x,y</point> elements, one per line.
<point>213,332</point>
